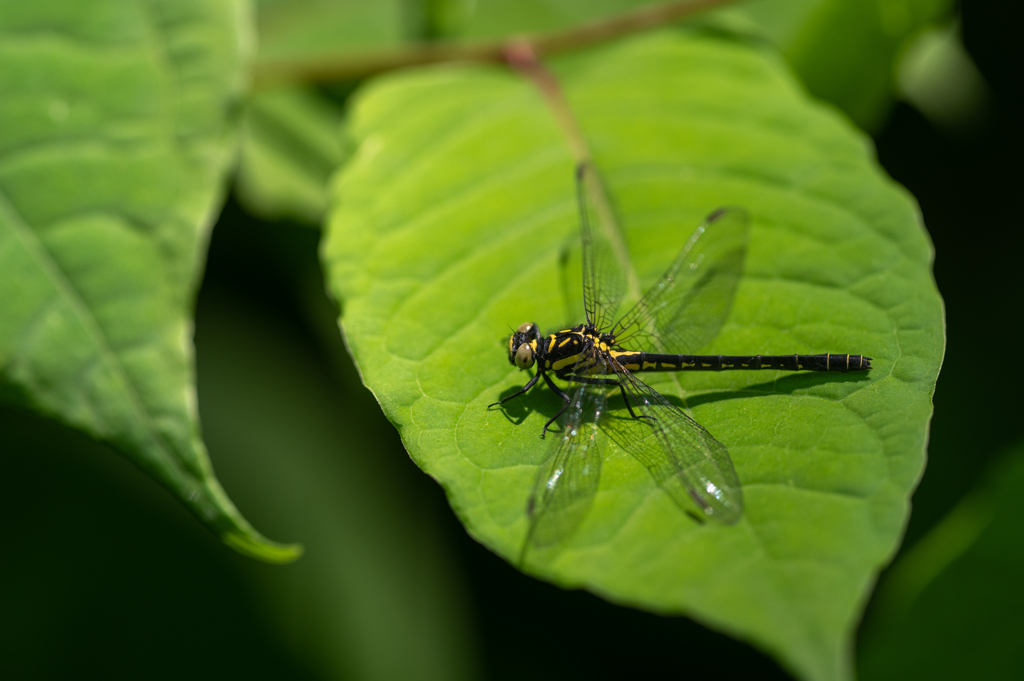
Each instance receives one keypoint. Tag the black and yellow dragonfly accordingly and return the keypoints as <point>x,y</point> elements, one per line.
<point>683,311</point>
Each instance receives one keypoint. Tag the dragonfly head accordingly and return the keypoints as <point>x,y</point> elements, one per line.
<point>522,345</point>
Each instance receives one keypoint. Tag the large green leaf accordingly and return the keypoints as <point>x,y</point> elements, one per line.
<point>114,145</point>
<point>449,226</point>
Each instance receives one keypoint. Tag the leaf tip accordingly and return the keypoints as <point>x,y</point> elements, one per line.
<point>260,548</point>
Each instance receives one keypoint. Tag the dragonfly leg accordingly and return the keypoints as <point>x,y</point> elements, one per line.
<point>566,400</point>
<point>625,398</point>
<point>554,418</point>
<point>523,391</point>
<point>558,391</point>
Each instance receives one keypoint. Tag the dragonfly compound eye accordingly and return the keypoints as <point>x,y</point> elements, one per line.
<point>525,327</point>
<point>524,356</point>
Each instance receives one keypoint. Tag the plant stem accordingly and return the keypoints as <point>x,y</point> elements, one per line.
<point>521,56</point>
<point>333,67</point>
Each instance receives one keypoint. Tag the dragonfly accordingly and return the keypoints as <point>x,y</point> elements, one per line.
<point>683,311</point>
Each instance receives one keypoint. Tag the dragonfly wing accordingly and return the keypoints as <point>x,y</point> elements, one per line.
<point>686,308</point>
<point>685,459</point>
<point>604,277</point>
<point>567,482</point>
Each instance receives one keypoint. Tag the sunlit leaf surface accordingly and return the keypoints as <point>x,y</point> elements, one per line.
<point>455,221</point>
<point>114,142</point>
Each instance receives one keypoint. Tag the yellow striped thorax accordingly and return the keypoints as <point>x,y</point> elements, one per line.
<point>559,351</point>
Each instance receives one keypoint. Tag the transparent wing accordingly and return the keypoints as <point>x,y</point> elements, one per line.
<point>685,309</point>
<point>603,277</point>
<point>567,482</point>
<point>686,461</point>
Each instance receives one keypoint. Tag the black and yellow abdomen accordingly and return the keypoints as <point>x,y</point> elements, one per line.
<point>649,361</point>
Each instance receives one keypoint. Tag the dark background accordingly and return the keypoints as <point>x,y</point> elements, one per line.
<point>102,574</point>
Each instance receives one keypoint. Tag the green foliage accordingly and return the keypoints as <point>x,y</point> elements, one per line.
<point>297,28</point>
<point>452,222</point>
<point>378,595</point>
<point>845,51</point>
<point>115,142</point>
<point>455,220</point>
<point>290,137</point>
<point>291,143</point>
<point>950,607</point>
<point>496,19</point>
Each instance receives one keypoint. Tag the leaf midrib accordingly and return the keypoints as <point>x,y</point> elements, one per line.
<point>50,268</point>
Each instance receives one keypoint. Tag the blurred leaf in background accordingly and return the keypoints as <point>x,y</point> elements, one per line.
<point>116,141</point>
<point>448,226</point>
<point>300,442</point>
<point>499,19</point>
<point>966,186</point>
<point>292,141</point>
<point>847,52</point>
<point>105,576</point>
<point>938,77</point>
<point>950,607</point>
<point>296,28</point>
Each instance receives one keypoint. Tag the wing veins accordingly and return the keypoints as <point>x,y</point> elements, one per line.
<point>685,309</point>
<point>684,458</point>
<point>603,277</point>
<point>567,481</point>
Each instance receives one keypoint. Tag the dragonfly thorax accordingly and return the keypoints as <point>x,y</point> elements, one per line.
<point>560,351</point>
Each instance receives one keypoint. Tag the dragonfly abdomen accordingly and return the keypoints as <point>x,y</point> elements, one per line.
<point>649,361</point>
